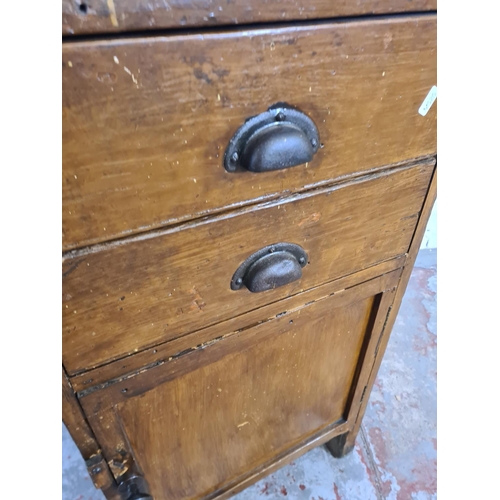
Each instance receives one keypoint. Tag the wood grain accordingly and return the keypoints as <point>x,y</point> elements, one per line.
<point>316,439</point>
<point>130,366</point>
<point>81,432</point>
<point>105,16</point>
<point>146,120</point>
<point>126,297</point>
<point>120,390</point>
<point>280,460</point>
<point>223,401</point>
<point>344,445</point>
<point>75,421</point>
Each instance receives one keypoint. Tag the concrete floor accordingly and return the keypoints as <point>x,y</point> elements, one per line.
<point>395,454</point>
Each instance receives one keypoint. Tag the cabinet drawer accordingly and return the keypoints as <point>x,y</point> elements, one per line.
<point>146,121</point>
<point>197,424</point>
<point>126,296</point>
<point>104,16</point>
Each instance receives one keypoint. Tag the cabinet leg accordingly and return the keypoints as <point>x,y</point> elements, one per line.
<point>342,445</point>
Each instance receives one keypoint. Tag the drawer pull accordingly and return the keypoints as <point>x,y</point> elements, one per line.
<point>270,267</point>
<point>281,137</point>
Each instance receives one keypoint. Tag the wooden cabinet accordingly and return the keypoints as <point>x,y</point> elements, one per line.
<point>106,16</point>
<point>126,297</point>
<point>147,120</point>
<point>178,384</point>
<point>224,412</point>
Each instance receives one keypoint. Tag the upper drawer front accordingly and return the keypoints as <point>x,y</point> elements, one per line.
<point>104,16</point>
<point>146,121</point>
<point>130,296</point>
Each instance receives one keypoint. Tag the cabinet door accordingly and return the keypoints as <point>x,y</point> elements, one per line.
<point>215,418</point>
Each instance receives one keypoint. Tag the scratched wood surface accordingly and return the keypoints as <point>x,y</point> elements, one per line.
<point>245,399</point>
<point>123,298</point>
<point>108,16</point>
<point>161,353</point>
<point>342,446</point>
<point>75,421</point>
<point>146,120</point>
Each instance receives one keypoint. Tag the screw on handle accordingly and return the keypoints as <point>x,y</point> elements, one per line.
<point>281,137</point>
<point>270,267</point>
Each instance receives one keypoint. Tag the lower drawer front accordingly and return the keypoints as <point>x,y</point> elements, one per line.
<point>202,422</point>
<point>130,296</point>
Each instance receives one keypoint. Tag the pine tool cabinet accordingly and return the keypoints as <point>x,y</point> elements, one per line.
<point>245,187</point>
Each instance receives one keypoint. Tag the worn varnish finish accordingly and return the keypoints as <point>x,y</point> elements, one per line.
<point>104,16</point>
<point>131,296</point>
<point>165,366</point>
<point>75,421</point>
<point>340,447</point>
<point>161,353</point>
<point>81,432</point>
<point>146,120</point>
<point>111,392</point>
<point>224,400</point>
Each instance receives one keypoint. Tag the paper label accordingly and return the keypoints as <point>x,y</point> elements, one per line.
<point>428,101</point>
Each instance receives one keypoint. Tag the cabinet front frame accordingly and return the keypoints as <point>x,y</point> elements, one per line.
<point>102,405</point>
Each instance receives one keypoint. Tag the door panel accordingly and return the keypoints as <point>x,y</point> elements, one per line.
<point>219,413</point>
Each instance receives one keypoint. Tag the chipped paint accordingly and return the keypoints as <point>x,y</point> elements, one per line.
<point>134,79</point>
<point>112,13</point>
<point>197,302</point>
<point>310,219</point>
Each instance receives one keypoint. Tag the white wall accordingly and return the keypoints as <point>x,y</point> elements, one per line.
<point>430,236</point>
